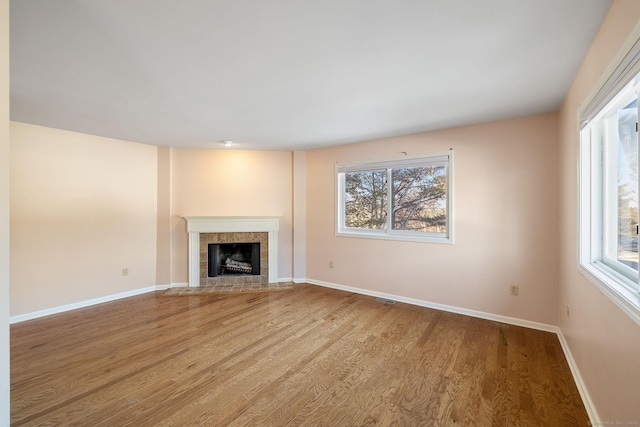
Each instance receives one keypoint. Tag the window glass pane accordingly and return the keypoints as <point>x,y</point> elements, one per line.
<point>627,185</point>
<point>365,199</point>
<point>419,199</point>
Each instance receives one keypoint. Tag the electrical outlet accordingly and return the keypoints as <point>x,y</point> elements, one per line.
<point>330,264</point>
<point>568,311</point>
<point>125,271</point>
<point>514,289</point>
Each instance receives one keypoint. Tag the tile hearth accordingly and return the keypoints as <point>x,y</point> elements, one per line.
<point>228,289</point>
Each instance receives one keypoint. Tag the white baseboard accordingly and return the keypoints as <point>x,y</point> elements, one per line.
<point>82,304</point>
<point>582,388</point>
<point>178,285</point>
<point>292,279</point>
<point>443,307</point>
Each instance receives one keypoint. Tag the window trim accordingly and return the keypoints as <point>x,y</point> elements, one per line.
<point>619,288</point>
<point>397,235</point>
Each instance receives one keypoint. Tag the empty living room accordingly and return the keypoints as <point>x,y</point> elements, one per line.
<point>335,213</point>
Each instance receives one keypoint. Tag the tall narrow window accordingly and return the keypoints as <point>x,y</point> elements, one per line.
<point>609,186</point>
<point>404,199</point>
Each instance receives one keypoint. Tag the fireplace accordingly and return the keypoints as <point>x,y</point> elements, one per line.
<point>247,253</point>
<point>233,259</point>
<point>210,230</point>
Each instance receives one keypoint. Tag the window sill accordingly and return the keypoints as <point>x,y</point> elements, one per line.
<point>614,286</point>
<point>396,237</point>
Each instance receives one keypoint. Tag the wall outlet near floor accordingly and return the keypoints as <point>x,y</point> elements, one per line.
<point>568,310</point>
<point>125,271</point>
<point>514,289</point>
<point>330,264</point>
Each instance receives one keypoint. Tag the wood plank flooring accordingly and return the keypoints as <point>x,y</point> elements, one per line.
<point>312,356</point>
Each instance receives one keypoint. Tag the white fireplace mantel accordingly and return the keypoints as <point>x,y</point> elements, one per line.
<point>231,224</point>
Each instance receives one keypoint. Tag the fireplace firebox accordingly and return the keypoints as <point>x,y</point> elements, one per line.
<point>233,259</point>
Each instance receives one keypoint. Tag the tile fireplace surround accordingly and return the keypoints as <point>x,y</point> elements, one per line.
<point>212,229</point>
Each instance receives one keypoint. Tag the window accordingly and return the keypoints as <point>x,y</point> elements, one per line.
<point>609,186</point>
<point>403,199</point>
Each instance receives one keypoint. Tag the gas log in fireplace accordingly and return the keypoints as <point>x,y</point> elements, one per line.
<point>233,259</point>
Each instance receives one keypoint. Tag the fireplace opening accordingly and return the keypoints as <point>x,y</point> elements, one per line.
<point>233,259</point>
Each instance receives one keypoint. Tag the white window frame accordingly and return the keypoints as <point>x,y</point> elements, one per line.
<point>618,282</point>
<point>387,233</point>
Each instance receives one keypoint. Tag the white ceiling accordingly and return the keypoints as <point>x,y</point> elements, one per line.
<point>291,74</point>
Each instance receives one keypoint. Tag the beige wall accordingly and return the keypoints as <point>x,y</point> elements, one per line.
<point>4,212</point>
<point>300,215</point>
<point>506,204</point>
<point>82,208</point>
<point>229,183</point>
<point>604,342</point>
<point>163,254</point>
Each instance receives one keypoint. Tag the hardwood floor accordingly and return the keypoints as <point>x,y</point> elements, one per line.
<point>312,356</point>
